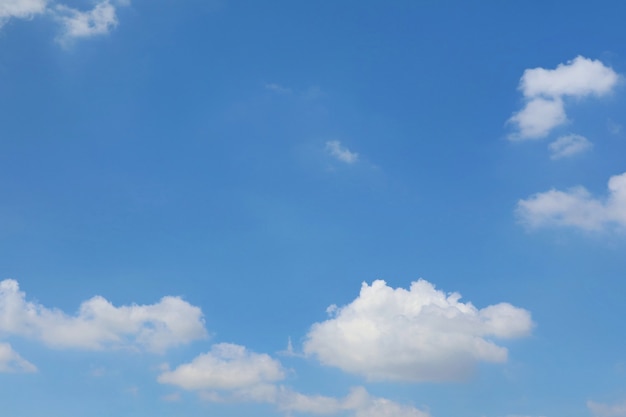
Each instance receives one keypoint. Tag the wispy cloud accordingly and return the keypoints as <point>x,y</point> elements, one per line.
<point>544,91</point>
<point>76,23</point>
<point>341,153</point>
<point>569,145</point>
<point>11,361</point>
<point>277,88</point>
<point>607,410</point>
<point>84,24</point>
<point>576,208</point>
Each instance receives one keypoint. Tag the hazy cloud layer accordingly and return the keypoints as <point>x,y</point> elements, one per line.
<point>99,324</point>
<point>607,410</point>
<point>545,89</point>
<point>576,207</point>
<point>420,334</point>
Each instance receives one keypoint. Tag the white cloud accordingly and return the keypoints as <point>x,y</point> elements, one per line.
<point>538,118</point>
<point>417,335</point>
<point>569,145</point>
<point>579,77</point>
<point>544,90</point>
<point>605,410</point>
<point>11,361</point>
<point>83,24</point>
<point>23,9</point>
<point>576,208</point>
<point>225,367</point>
<point>100,325</point>
<point>231,373</point>
<point>341,153</point>
<point>100,20</point>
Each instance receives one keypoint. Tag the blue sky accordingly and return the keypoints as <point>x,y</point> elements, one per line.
<point>235,208</point>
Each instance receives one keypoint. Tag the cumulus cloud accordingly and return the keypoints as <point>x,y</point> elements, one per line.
<point>341,153</point>
<point>569,145</point>
<point>99,324</point>
<point>576,207</point>
<point>545,89</point>
<point>232,373</point>
<point>11,361</point>
<point>606,410</point>
<point>225,367</point>
<point>22,9</point>
<point>420,334</point>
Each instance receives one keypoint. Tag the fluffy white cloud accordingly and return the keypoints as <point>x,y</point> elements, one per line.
<point>21,9</point>
<point>544,90</point>
<point>417,335</point>
<point>231,373</point>
<point>569,145</point>
<point>606,410</point>
<point>11,361</point>
<point>99,324</point>
<point>225,367</point>
<point>340,152</point>
<point>576,208</point>
<point>538,118</point>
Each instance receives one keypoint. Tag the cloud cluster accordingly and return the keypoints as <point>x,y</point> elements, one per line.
<point>99,324</point>
<point>420,334</point>
<point>232,373</point>
<point>76,23</point>
<point>545,90</point>
<point>576,208</point>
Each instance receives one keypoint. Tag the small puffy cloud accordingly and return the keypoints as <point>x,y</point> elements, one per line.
<point>576,207</point>
<point>11,361</point>
<point>420,334</point>
<point>99,324</point>
<point>225,367</point>
<point>545,89</point>
<point>579,77</point>
<point>606,410</point>
<point>341,153</point>
<point>538,118</point>
<point>22,9</point>
<point>569,145</point>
